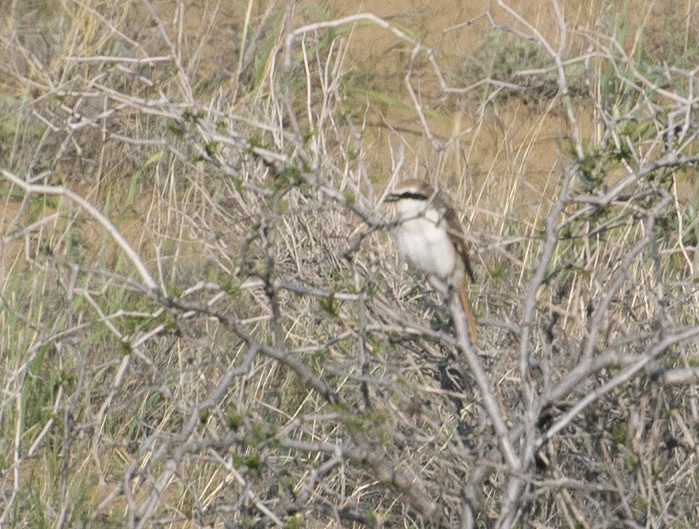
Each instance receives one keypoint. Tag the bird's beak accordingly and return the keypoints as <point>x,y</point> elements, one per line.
<point>391,197</point>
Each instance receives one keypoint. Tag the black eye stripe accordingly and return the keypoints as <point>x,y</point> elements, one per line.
<point>414,195</point>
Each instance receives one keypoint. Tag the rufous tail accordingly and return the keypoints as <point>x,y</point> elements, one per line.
<point>468,311</point>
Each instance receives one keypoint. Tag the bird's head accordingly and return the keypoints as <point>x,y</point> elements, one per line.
<point>411,197</point>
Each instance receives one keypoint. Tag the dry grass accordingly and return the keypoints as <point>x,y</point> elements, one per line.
<point>204,321</point>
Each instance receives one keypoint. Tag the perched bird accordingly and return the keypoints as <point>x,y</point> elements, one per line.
<point>431,239</point>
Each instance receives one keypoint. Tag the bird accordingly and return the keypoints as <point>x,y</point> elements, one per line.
<point>431,239</point>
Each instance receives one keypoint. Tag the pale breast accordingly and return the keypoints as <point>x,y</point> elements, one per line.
<point>426,247</point>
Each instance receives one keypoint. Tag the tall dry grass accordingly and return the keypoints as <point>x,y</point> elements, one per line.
<point>204,322</point>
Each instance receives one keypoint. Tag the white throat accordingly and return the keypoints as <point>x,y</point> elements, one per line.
<point>410,208</point>
<point>423,239</point>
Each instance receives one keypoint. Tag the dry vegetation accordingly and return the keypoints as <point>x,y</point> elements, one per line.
<point>203,322</point>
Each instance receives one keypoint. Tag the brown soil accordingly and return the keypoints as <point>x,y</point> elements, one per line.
<point>513,147</point>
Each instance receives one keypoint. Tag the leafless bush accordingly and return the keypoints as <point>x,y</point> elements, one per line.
<point>205,323</point>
